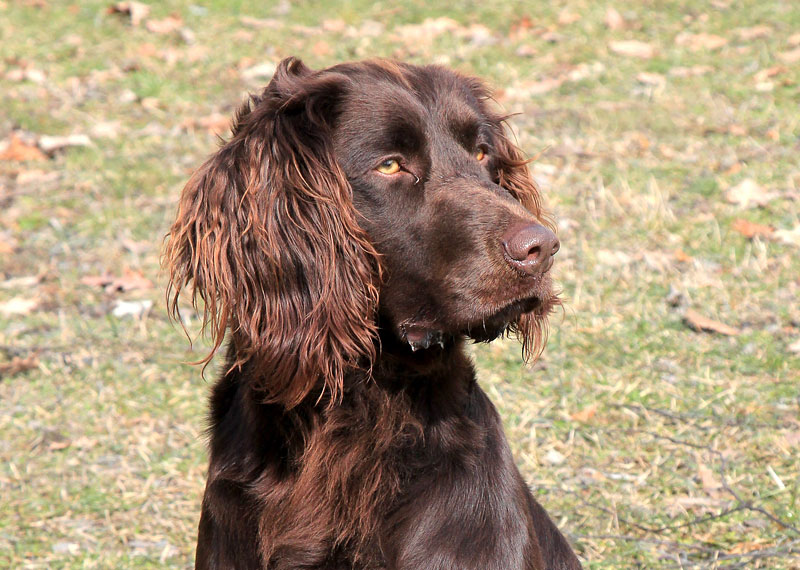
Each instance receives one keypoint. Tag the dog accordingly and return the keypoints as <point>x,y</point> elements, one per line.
<point>360,225</point>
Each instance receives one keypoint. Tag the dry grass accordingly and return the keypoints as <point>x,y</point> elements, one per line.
<point>655,444</point>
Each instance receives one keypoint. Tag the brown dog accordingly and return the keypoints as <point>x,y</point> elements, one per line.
<point>360,224</point>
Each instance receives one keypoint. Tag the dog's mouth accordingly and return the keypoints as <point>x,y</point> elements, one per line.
<point>495,324</point>
<point>483,328</point>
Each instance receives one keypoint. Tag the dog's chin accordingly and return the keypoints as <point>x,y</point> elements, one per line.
<point>481,327</point>
<point>498,322</point>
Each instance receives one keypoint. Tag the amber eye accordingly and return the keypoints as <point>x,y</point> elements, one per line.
<point>390,166</point>
<point>480,155</point>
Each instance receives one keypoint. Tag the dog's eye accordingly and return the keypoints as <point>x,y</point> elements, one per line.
<point>390,166</point>
<point>480,155</point>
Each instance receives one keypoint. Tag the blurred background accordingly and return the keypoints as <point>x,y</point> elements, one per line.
<point>661,426</point>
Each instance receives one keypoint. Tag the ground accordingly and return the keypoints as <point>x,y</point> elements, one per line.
<point>661,426</point>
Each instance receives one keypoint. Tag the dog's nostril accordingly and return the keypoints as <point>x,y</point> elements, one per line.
<point>530,248</point>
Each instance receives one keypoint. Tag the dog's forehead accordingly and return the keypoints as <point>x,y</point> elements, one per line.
<point>417,96</point>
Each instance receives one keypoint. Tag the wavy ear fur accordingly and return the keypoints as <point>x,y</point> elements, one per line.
<point>514,176</point>
<point>268,206</point>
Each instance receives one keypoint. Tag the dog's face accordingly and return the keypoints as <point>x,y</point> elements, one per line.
<point>462,255</point>
<point>363,196</point>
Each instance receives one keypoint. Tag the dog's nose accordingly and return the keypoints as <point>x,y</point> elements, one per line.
<point>530,248</point>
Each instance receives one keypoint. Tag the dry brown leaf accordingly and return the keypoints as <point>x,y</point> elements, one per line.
<point>792,437</point>
<point>18,364</point>
<point>215,123</point>
<point>18,306</point>
<point>251,22</point>
<point>708,478</point>
<point>136,11</point>
<point>129,281</point>
<point>691,71</point>
<point>585,414</point>
<point>654,79</point>
<point>321,48</point>
<point>750,229</point>
<point>565,17</point>
<point>540,87</point>
<point>171,23</point>
<point>747,546</point>
<point>703,324</point>
<point>614,20</point>
<point>19,151</point>
<point>792,56</point>
<point>765,74</point>
<point>682,256</point>
<point>697,42</point>
<point>748,193</point>
<point>632,48</point>
<point>748,34</point>
<point>520,28</point>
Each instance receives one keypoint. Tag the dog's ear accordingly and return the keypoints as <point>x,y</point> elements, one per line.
<point>266,236</point>
<point>512,174</point>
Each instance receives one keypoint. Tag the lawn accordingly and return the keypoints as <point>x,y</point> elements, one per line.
<point>661,426</point>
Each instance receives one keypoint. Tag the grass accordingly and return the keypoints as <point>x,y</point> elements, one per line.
<point>652,444</point>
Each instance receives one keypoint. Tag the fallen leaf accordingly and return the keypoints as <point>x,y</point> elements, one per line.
<point>20,282</point>
<point>321,48</point>
<point>131,308</point>
<point>750,229</point>
<point>795,347</point>
<point>792,56</point>
<point>703,324</point>
<point>789,237</point>
<point>682,256</point>
<point>19,151</point>
<point>426,31</point>
<point>540,87</point>
<point>632,48</point>
<point>748,34</point>
<point>554,457</point>
<point>613,258</point>
<point>261,71</point>
<point>747,546</point>
<point>128,282</point>
<point>565,17</point>
<point>765,74</point>
<point>691,71</point>
<point>585,414</point>
<point>521,27</point>
<point>18,306</point>
<point>260,22</point>
<point>106,129</point>
<point>168,25</point>
<point>654,79</point>
<point>613,20</point>
<point>136,11</point>
<point>215,123</point>
<point>707,478</point>
<point>794,40</point>
<point>50,144</point>
<point>26,74</point>
<point>18,364</point>
<point>697,42</point>
<point>336,25</point>
<point>748,192</point>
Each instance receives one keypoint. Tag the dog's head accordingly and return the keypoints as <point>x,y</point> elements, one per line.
<point>363,193</point>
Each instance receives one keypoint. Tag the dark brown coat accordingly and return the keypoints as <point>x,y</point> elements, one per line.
<point>361,223</point>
